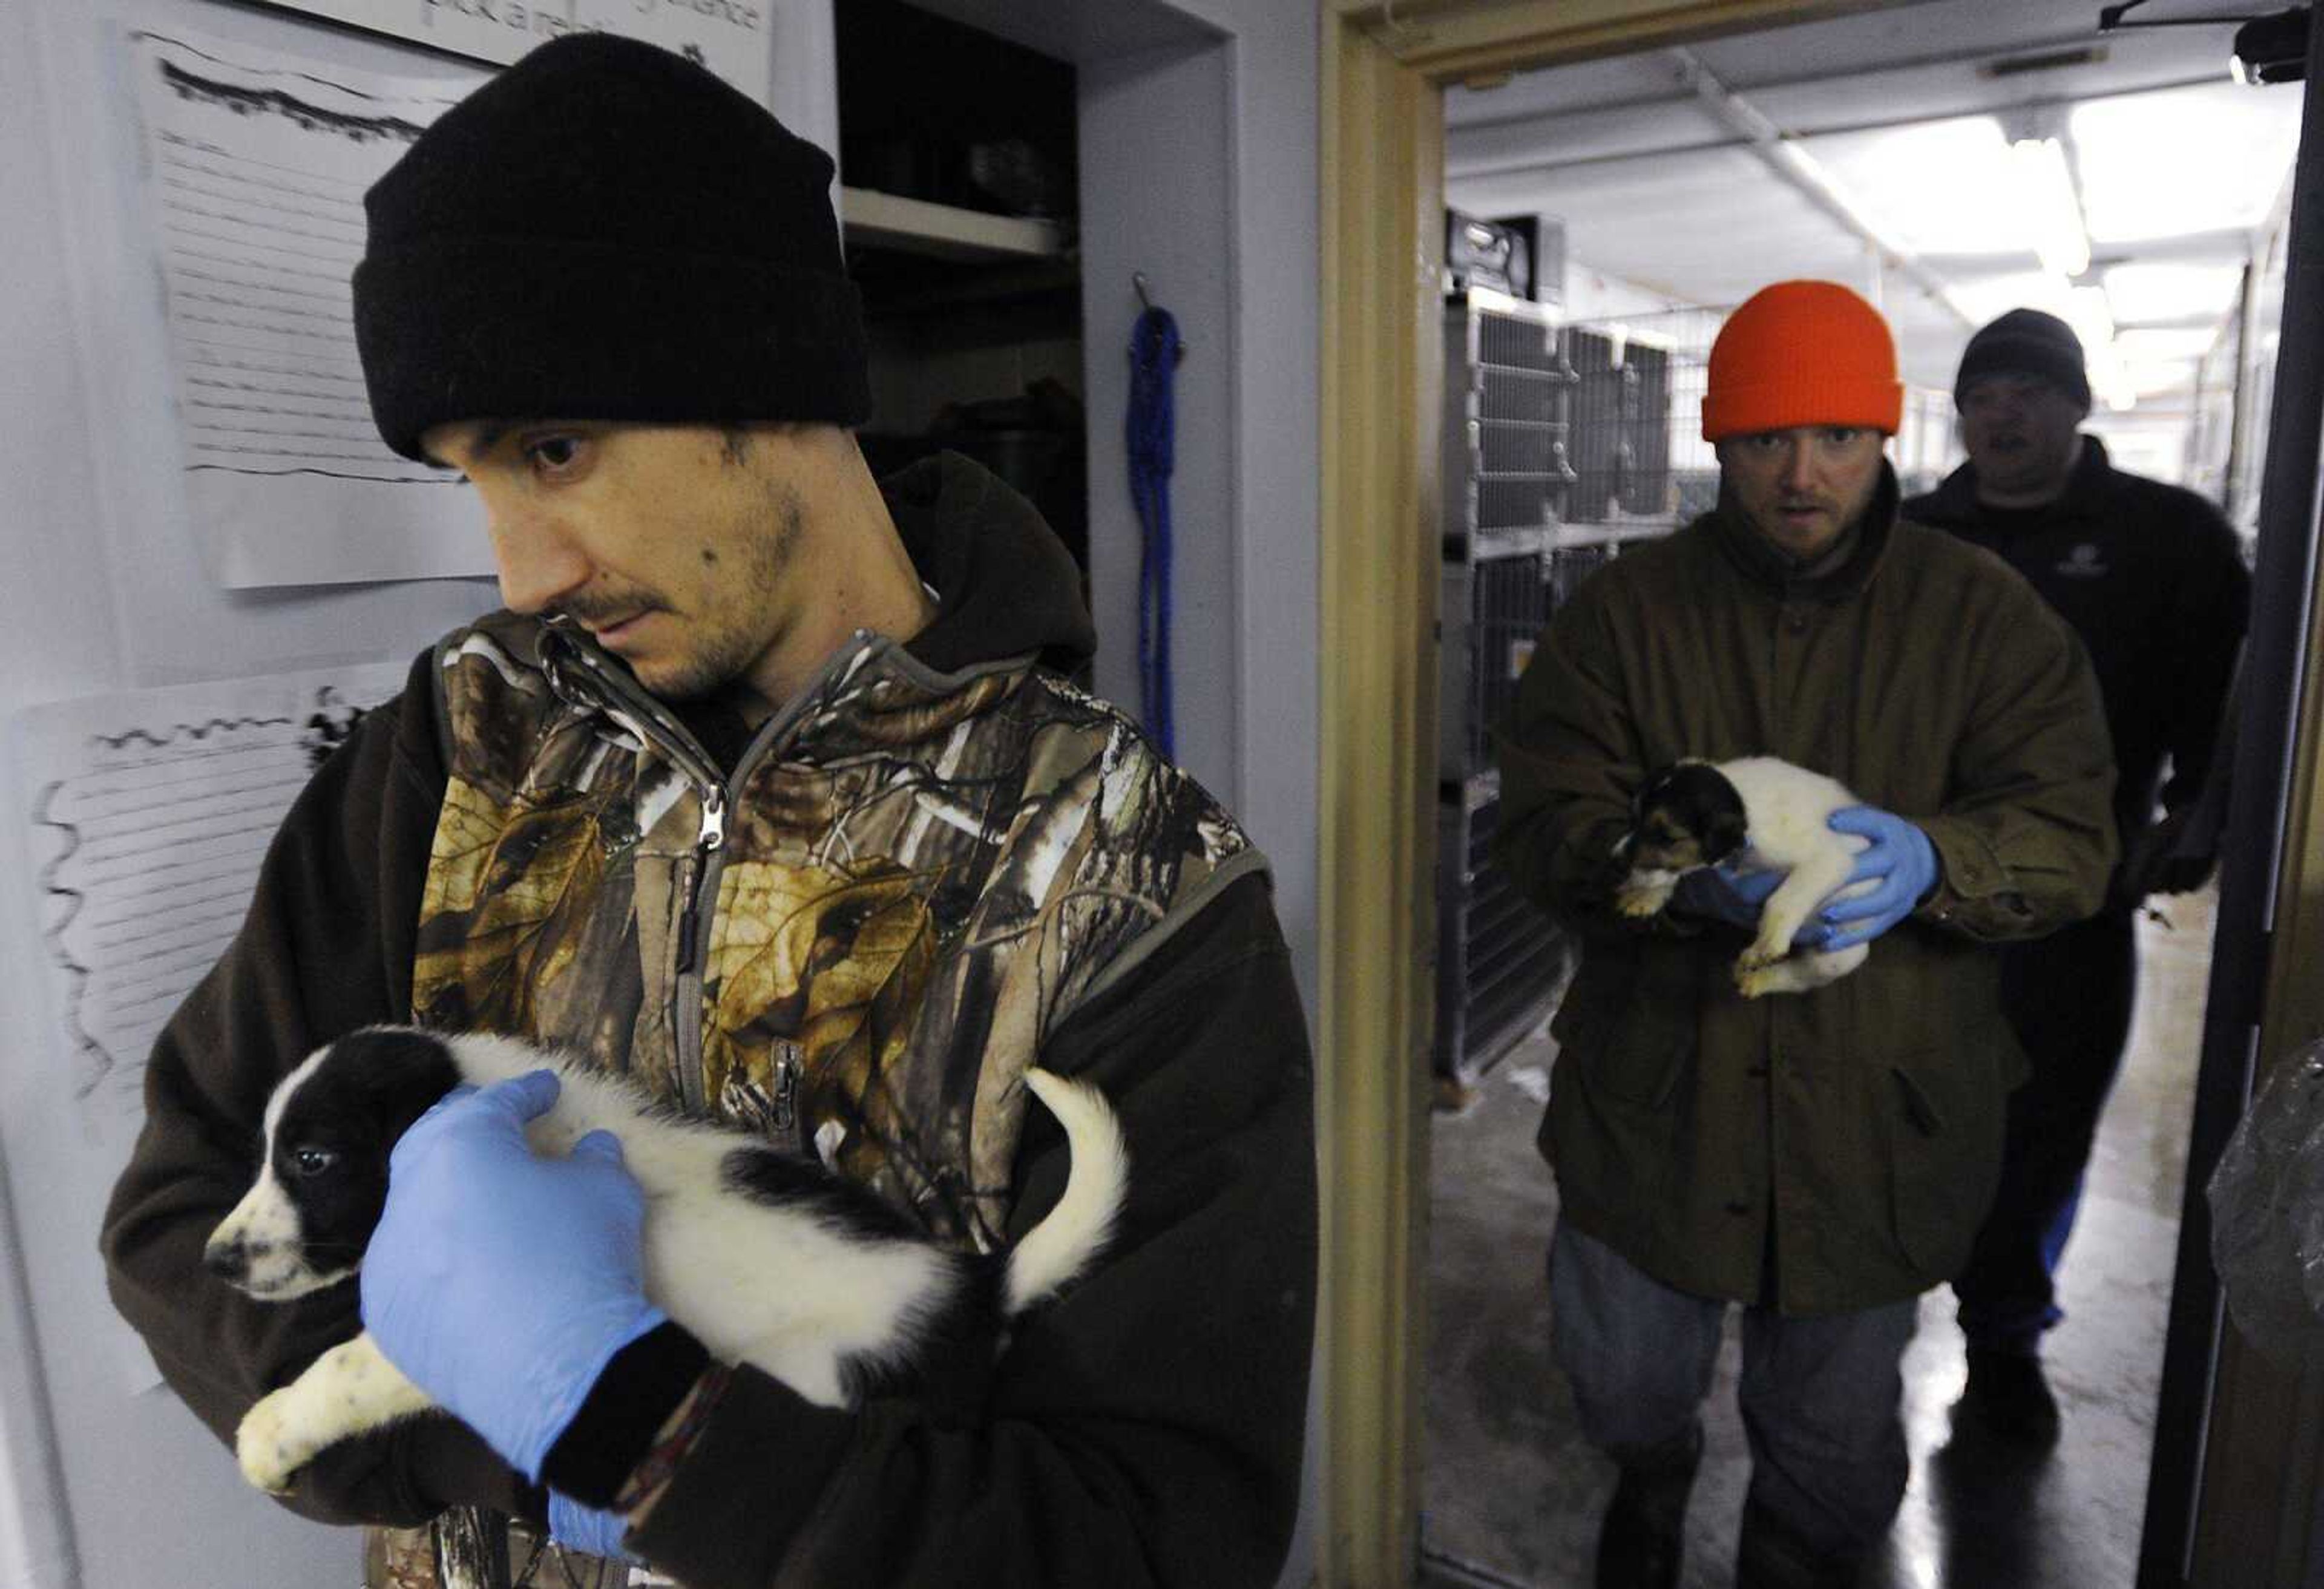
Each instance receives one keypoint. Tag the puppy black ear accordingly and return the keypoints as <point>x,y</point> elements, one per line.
<point>1723,835</point>
<point>402,1069</point>
<point>1649,789</point>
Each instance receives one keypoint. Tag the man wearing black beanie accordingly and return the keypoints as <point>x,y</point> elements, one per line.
<point>762,791</point>
<point>2152,579</point>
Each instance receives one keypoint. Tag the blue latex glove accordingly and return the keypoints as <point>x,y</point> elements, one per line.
<point>585,1529</point>
<point>501,1282</point>
<point>1900,861</point>
<point>1724,895</point>
<point>1737,898</point>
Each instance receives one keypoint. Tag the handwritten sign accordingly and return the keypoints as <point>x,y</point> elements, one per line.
<point>733,38</point>
<point>150,812</point>
<point>254,164</point>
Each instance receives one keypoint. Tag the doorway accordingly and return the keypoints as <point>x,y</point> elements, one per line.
<point>1401,60</point>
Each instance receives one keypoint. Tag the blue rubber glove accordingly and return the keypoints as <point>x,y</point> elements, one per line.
<point>585,1529</point>
<point>1724,895</point>
<point>1737,898</point>
<point>501,1282</point>
<point>1900,861</point>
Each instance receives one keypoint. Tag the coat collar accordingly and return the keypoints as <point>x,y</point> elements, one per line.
<point>1954,501</point>
<point>1761,563</point>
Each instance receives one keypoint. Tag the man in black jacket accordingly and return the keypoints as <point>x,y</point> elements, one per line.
<point>2150,576</point>
<point>759,792</point>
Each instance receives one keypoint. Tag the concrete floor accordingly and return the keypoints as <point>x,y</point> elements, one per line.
<point>1512,1494</point>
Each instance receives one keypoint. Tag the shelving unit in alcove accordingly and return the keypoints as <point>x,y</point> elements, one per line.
<point>957,160</point>
<point>874,219</point>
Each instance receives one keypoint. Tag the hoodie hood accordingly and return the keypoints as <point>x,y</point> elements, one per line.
<point>1005,584</point>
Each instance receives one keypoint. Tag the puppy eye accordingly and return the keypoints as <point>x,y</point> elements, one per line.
<point>312,1161</point>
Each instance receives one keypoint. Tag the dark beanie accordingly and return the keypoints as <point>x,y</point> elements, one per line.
<point>2026,342</point>
<point>606,230</point>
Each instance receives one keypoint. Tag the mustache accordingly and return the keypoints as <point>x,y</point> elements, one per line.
<point>598,612</point>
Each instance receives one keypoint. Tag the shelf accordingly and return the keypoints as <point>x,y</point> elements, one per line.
<point>941,231</point>
<point>1613,531</point>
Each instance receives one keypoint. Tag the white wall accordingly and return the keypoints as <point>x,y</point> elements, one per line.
<point>1199,168</point>
<point>1592,294</point>
<point>1149,123</point>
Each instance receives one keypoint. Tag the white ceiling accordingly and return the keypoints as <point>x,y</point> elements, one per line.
<point>2176,163</point>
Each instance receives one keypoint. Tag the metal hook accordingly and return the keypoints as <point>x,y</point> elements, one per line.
<point>1138,281</point>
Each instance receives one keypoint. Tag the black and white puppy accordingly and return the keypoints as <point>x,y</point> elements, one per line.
<point>1758,814</point>
<point>767,1258</point>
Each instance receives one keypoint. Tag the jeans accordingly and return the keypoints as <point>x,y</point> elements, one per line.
<point>2068,997</point>
<point>1819,1395</point>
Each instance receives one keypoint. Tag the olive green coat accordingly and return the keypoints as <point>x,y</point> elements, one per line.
<point>1863,1119</point>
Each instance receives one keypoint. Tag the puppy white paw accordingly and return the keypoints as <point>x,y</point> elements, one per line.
<point>1638,899</point>
<point>265,1446</point>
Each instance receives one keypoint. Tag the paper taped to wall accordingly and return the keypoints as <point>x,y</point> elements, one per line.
<point>149,813</point>
<point>254,164</point>
<point>736,39</point>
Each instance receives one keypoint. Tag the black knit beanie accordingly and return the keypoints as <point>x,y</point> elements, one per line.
<point>2026,342</point>
<point>606,230</point>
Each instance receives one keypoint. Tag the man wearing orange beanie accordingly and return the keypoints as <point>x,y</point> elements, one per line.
<point>1822,1158</point>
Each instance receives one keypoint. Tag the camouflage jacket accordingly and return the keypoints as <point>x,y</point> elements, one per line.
<point>929,868</point>
<point>854,942</point>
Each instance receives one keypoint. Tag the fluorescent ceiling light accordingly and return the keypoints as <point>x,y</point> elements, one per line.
<point>2152,378</point>
<point>1932,186</point>
<point>2154,347</point>
<point>2173,161</point>
<point>1958,186</point>
<point>1982,297</point>
<point>2084,309</point>
<point>2047,207</point>
<point>2146,293</point>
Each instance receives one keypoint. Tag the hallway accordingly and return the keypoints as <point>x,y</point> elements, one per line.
<point>1512,1494</point>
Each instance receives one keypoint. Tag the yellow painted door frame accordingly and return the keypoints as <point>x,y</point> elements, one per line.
<point>1383,72</point>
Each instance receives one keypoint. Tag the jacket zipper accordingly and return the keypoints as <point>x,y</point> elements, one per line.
<point>786,1102</point>
<point>700,893</point>
<point>701,901</point>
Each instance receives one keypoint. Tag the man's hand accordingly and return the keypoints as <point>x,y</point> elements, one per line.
<point>501,1282</point>
<point>1901,865</point>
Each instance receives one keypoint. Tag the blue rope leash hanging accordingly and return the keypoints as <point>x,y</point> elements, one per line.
<point>1155,351</point>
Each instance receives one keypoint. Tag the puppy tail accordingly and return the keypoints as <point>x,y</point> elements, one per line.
<point>1077,1229</point>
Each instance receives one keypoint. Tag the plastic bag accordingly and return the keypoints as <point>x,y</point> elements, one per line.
<point>2267,1214</point>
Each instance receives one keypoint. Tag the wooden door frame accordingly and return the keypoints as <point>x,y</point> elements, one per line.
<point>1383,70</point>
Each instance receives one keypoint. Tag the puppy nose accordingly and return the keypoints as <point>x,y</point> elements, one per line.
<point>226,1260</point>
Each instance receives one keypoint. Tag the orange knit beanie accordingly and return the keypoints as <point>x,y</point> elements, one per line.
<point>1802,352</point>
